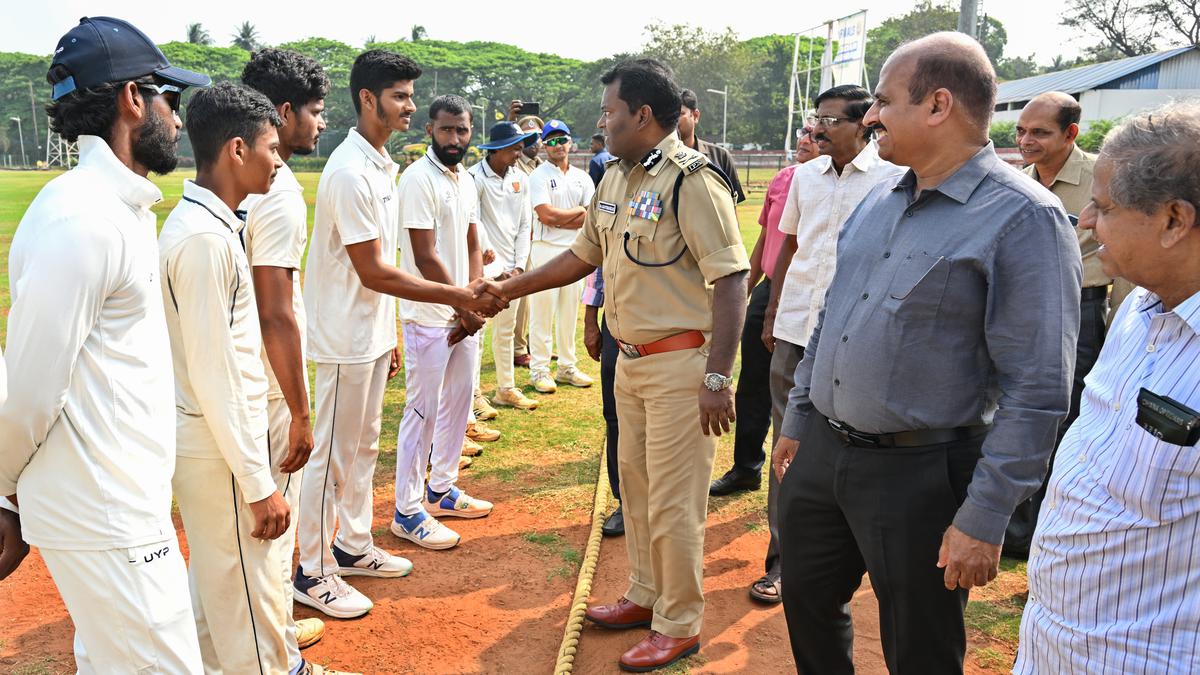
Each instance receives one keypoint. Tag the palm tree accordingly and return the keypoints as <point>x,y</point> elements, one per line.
<point>197,35</point>
<point>419,33</point>
<point>246,37</point>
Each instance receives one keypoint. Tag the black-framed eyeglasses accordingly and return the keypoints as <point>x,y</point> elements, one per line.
<point>827,121</point>
<point>163,90</point>
<point>558,140</point>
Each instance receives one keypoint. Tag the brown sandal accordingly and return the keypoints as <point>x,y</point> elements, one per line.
<point>767,590</point>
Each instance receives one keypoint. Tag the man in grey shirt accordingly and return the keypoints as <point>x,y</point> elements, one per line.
<point>928,399</point>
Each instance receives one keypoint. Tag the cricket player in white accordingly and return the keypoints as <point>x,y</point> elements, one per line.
<point>505,216</point>
<point>439,212</point>
<point>348,296</point>
<point>560,194</point>
<point>233,510</point>
<point>89,437</point>
<point>275,235</point>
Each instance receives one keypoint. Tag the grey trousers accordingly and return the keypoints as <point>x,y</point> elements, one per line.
<point>783,371</point>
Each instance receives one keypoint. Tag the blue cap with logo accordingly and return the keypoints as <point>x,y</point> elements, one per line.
<point>102,49</point>
<point>554,126</point>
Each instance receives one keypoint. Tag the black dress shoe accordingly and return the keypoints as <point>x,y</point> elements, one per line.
<point>614,526</point>
<point>734,481</point>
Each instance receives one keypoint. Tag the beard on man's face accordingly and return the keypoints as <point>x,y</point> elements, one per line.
<point>154,147</point>
<point>449,155</point>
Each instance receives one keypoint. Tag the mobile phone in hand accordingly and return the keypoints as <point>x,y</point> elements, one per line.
<point>530,108</point>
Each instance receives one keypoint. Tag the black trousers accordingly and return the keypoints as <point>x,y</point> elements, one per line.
<point>845,510</point>
<point>608,373</point>
<point>752,402</point>
<point>1019,535</point>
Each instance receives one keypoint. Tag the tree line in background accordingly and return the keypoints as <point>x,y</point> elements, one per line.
<point>754,71</point>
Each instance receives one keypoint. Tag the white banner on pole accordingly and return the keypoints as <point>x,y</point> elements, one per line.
<point>827,62</point>
<point>850,33</point>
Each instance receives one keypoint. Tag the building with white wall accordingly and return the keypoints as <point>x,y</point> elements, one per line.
<point>1113,89</point>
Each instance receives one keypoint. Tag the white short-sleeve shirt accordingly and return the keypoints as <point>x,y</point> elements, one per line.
<point>276,234</point>
<point>356,202</point>
<point>549,185</point>
<point>504,216</point>
<point>432,197</point>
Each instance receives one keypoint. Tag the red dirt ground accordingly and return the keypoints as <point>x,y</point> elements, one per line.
<point>496,604</point>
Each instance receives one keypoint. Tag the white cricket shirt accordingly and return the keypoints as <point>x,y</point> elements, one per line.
<point>276,234</point>
<point>89,425</point>
<point>505,215</point>
<point>433,197</point>
<point>356,202</point>
<point>216,344</point>
<point>549,185</point>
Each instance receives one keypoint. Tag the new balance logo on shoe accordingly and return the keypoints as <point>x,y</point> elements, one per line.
<point>375,564</point>
<point>327,597</point>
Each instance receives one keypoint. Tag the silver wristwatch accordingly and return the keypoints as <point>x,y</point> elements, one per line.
<point>717,381</point>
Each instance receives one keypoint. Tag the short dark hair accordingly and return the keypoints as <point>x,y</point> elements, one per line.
<point>1070,112</point>
<point>376,70</point>
<point>971,81</point>
<point>689,99</point>
<point>87,112</point>
<point>599,137</point>
<point>224,112</point>
<point>858,101</point>
<point>451,103</point>
<point>647,82</point>
<point>286,77</point>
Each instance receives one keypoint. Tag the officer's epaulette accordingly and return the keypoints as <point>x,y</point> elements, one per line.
<point>610,162</point>
<point>689,160</point>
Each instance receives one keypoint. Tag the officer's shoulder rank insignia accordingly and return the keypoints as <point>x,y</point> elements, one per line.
<point>646,205</point>
<point>690,161</point>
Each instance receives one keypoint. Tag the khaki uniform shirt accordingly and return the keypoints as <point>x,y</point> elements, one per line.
<point>528,165</point>
<point>634,200</point>
<point>1073,186</point>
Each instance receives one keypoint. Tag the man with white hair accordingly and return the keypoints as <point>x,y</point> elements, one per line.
<point>930,391</point>
<point>1113,586</point>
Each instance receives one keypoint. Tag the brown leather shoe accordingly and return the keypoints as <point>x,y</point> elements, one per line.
<point>658,651</point>
<point>622,614</point>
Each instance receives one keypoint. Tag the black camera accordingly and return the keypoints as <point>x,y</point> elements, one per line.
<point>1168,419</point>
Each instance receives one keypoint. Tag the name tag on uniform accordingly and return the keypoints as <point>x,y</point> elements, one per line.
<point>607,207</point>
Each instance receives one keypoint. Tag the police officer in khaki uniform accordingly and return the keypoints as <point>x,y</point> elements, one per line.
<point>663,226</point>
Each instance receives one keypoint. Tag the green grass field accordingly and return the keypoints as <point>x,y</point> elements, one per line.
<point>558,442</point>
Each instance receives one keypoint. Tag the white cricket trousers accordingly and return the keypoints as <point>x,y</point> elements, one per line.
<point>340,470</point>
<point>503,327</point>
<point>279,419</point>
<point>131,608</point>
<point>239,596</point>
<point>439,391</point>
<point>552,312</point>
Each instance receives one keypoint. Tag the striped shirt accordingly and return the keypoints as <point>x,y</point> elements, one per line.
<point>1114,574</point>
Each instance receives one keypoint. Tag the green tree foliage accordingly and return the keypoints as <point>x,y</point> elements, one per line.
<point>197,35</point>
<point>1093,138</point>
<point>1003,134</point>
<point>246,36</point>
<point>925,18</point>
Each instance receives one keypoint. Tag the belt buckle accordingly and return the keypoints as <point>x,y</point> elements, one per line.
<point>853,436</point>
<point>630,350</point>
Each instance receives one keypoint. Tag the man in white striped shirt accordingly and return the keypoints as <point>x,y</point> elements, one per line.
<point>1114,584</point>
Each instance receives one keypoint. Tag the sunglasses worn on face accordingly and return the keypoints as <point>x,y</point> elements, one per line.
<point>163,90</point>
<point>560,140</point>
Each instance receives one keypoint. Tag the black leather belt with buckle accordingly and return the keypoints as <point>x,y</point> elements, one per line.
<point>904,439</point>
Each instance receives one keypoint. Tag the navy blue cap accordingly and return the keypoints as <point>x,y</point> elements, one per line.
<point>504,134</point>
<point>555,126</point>
<point>102,49</point>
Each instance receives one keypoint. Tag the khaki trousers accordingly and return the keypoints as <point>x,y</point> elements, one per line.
<point>665,466</point>
<point>239,595</point>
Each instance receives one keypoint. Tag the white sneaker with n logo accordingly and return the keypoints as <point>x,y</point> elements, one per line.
<point>330,595</point>
<point>373,563</point>
<point>428,532</point>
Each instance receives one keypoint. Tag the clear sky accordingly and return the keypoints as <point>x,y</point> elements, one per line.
<point>580,30</point>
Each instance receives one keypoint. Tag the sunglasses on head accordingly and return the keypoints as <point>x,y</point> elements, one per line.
<point>163,90</point>
<point>557,140</point>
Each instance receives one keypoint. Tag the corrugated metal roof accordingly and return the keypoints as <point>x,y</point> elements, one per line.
<point>1081,79</point>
